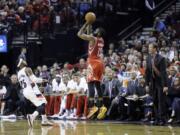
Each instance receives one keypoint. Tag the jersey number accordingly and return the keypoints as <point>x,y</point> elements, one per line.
<point>23,84</point>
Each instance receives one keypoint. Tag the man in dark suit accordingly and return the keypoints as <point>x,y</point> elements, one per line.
<point>111,87</point>
<point>132,97</point>
<point>156,80</point>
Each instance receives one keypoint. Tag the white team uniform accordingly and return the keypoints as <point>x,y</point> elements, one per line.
<point>63,87</point>
<point>31,93</point>
<point>83,86</point>
<point>55,86</point>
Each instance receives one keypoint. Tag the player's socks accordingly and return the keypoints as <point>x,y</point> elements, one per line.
<point>44,118</point>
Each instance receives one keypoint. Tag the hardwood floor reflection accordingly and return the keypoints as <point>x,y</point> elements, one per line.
<point>84,128</point>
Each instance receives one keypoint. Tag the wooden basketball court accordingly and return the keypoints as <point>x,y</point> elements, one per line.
<point>20,127</point>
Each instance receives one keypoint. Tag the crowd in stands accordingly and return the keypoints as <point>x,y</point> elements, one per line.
<point>22,16</point>
<point>42,17</point>
<point>124,85</point>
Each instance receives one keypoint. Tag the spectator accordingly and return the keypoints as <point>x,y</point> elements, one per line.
<point>12,98</point>
<point>68,15</point>
<point>170,20</point>
<point>159,26</point>
<point>21,2</point>
<point>23,54</point>
<point>174,93</point>
<point>4,76</point>
<point>45,73</point>
<point>170,33</point>
<point>81,65</point>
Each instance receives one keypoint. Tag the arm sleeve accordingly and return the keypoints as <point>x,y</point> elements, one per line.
<point>36,79</point>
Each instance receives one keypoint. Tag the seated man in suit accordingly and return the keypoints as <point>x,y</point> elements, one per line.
<point>117,108</point>
<point>132,96</point>
<point>174,94</point>
<point>112,87</point>
<point>114,92</point>
<point>145,99</point>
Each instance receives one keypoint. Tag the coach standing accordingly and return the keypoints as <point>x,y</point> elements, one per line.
<point>156,80</point>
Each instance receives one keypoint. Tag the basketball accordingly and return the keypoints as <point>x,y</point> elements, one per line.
<point>90,17</point>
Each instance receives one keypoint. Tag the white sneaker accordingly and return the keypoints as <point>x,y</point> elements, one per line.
<point>46,123</point>
<point>64,116</point>
<point>71,116</point>
<point>83,118</point>
<point>30,120</point>
<point>54,116</point>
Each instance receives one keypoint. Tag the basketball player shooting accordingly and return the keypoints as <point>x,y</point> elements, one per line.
<point>95,63</point>
<point>31,92</point>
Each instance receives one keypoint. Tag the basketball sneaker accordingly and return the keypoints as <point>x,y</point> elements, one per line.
<point>92,111</point>
<point>46,123</point>
<point>102,113</point>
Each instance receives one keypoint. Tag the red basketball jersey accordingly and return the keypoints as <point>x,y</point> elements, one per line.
<point>95,50</point>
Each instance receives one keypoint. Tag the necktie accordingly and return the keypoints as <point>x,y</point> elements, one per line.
<point>152,67</point>
<point>110,89</point>
<point>172,82</point>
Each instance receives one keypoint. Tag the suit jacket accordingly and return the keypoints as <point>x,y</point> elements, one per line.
<point>112,88</point>
<point>160,63</point>
<point>132,87</point>
<point>140,91</point>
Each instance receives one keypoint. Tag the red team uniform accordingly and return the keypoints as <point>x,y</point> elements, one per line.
<point>95,63</point>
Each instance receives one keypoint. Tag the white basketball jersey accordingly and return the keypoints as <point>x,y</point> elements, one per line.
<point>24,80</point>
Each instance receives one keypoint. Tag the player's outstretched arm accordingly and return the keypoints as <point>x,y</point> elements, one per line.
<point>33,77</point>
<point>82,33</point>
